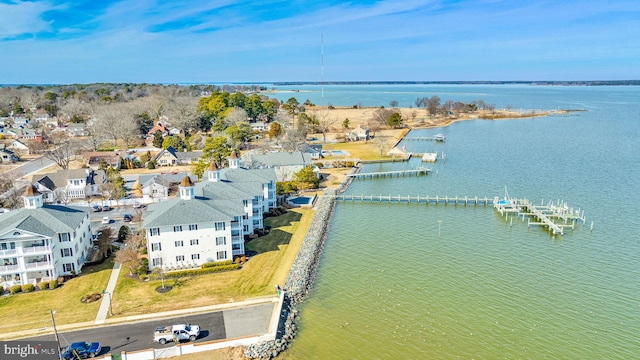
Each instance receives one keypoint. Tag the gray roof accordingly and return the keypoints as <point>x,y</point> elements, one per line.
<point>248,175</point>
<point>183,212</point>
<point>47,220</point>
<point>283,158</point>
<point>60,177</point>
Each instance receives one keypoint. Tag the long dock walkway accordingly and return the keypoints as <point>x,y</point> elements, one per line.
<point>555,217</point>
<point>454,200</point>
<point>372,175</point>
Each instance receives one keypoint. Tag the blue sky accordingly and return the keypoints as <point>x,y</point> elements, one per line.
<point>162,41</point>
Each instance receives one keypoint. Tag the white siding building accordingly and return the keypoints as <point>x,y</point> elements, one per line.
<point>41,242</point>
<point>208,221</point>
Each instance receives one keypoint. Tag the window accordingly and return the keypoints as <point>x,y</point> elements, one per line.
<point>177,228</point>
<point>154,231</point>
<point>194,241</point>
<point>195,256</point>
<point>222,255</point>
<point>245,203</point>
<point>245,228</point>
<point>193,227</point>
<point>221,240</point>
<point>179,243</point>
<point>219,226</point>
<point>156,247</point>
<point>68,267</point>
<point>180,258</point>
<point>156,261</point>
<point>66,252</point>
<point>63,237</point>
<point>236,246</point>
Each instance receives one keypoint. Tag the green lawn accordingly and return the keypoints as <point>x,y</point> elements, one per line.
<point>275,253</point>
<point>32,310</point>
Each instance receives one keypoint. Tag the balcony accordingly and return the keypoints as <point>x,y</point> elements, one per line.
<point>35,250</point>
<point>8,252</point>
<point>9,268</point>
<point>236,238</point>
<point>39,265</point>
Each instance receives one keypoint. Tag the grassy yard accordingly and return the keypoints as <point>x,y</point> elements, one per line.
<point>31,310</point>
<point>275,253</point>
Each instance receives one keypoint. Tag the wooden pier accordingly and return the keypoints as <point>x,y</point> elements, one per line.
<point>438,137</point>
<point>435,200</point>
<point>372,175</point>
<point>555,217</point>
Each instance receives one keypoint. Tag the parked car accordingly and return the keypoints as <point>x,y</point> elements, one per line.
<point>126,218</point>
<point>96,208</point>
<point>106,220</point>
<point>82,349</point>
<point>106,208</point>
<point>137,205</point>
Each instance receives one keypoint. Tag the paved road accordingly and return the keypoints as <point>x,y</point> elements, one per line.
<point>237,322</point>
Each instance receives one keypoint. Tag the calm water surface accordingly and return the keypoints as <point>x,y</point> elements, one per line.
<point>392,285</point>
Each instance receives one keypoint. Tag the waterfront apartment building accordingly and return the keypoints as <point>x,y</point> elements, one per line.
<point>41,242</point>
<point>208,221</point>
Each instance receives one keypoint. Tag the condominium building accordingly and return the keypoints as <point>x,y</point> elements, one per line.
<point>41,242</point>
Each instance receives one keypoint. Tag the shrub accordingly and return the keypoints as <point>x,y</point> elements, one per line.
<point>1,290</point>
<point>142,276</point>
<point>216,263</point>
<point>15,289</point>
<point>209,270</point>
<point>319,165</point>
<point>44,285</point>
<point>28,288</point>
<point>53,284</point>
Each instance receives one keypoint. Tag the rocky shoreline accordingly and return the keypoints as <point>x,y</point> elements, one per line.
<point>299,281</point>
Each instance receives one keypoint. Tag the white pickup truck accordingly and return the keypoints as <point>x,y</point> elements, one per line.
<point>177,333</point>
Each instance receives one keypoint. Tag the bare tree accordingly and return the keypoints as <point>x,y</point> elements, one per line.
<point>235,116</point>
<point>182,111</point>
<point>292,139</point>
<point>324,123</point>
<point>432,105</point>
<point>393,103</point>
<point>381,115</point>
<point>62,196</point>
<point>104,241</point>
<point>380,144</point>
<point>62,151</point>
<point>128,127</point>
<point>128,257</point>
<point>75,110</point>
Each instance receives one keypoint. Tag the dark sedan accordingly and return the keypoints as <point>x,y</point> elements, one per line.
<point>82,349</point>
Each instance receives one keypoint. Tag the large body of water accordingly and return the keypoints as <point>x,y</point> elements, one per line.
<point>445,282</point>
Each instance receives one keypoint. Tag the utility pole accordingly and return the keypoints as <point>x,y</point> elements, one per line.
<point>55,331</point>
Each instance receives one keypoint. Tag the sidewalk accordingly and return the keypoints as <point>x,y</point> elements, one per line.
<point>105,305</point>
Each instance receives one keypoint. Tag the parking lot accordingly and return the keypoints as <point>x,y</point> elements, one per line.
<point>115,218</point>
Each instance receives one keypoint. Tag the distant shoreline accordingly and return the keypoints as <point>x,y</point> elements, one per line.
<point>488,82</point>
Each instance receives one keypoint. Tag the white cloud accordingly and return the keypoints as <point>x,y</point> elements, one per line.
<point>22,18</point>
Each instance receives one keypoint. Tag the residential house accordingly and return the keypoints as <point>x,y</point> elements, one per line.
<point>259,126</point>
<point>285,163</point>
<point>23,134</point>
<point>161,126</point>
<point>315,150</point>
<point>18,146</point>
<point>171,157</point>
<point>42,242</point>
<point>359,133</point>
<point>209,220</point>
<point>94,159</point>
<point>7,156</point>
<point>71,184</point>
